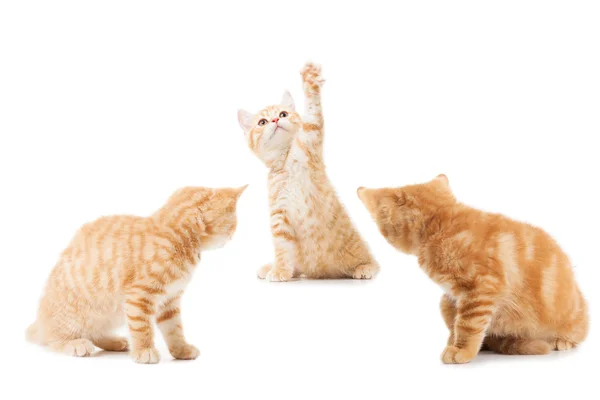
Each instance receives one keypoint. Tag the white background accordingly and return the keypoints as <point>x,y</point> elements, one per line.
<point>107,107</point>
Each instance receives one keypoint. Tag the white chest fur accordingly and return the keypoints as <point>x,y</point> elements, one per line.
<point>447,287</point>
<point>175,288</point>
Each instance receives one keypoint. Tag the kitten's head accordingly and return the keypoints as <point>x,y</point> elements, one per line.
<point>270,132</point>
<point>219,216</point>
<point>212,212</point>
<point>402,213</point>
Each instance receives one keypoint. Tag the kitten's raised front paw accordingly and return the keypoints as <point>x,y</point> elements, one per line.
<point>185,352</point>
<point>365,271</point>
<point>311,76</point>
<point>279,275</point>
<point>78,348</point>
<point>454,355</point>
<point>148,355</point>
<point>263,271</point>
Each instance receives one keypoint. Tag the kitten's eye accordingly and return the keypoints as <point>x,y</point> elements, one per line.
<point>262,122</point>
<point>283,114</point>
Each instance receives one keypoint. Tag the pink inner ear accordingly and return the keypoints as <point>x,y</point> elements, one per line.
<point>287,101</point>
<point>245,119</point>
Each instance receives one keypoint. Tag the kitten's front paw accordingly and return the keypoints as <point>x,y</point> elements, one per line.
<point>562,345</point>
<point>263,271</point>
<point>311,76</point>
<point>279,275</point>
<point>365,271</point>
<point>185,352</point>
<point>454,355</point>
<point>148,355</point>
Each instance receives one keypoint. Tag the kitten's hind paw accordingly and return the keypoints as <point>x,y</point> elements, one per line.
<point>279,275</point>
<point>112,343</point>
<point>365,271</point>
<point>263,271</point>
<point>78,348</point>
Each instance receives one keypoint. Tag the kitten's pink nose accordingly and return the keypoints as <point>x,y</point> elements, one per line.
<point>275,120</point>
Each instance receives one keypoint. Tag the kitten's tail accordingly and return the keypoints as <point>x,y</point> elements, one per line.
<point>32,333</point>
<point>517,346</point>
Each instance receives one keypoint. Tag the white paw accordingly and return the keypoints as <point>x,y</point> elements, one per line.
<point>79,348</point>
<point>148,355</point>
<point>311,75</point>
<point>263,271</point>
<point>366,271</point>
<point>185,352</point>
<point>279,275</point>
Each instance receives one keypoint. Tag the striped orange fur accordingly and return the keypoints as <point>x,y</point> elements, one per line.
<point>509,286</point>
<point>312,233</point>
<point>132,269</point>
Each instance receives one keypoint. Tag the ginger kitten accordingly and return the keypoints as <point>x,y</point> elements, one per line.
<point>131,269</point>
<point>312,233</point>
<point>509,286</point>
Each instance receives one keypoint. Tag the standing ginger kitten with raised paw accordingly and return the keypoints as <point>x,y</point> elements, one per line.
<point>131,269</point>
<point>312,233</point>
<point>509,286</point>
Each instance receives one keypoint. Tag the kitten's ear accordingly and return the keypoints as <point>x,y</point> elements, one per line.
<point>245,119</point>
<point>369,197</point>
<point>287,101</point>
<point>240,190</point>
<point>231,194</point>
<point>363,194</point>
<point>443,178</point>
<point>442,186</point>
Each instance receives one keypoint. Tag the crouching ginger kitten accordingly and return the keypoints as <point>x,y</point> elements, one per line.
<point>509,286</point>
<point>130,269</point>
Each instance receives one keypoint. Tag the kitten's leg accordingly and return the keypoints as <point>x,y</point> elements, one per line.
<point>111,343</point>
<point>312,81</point>
<point>139,309</point>
<point>285,247</point>
<point>474,314</point>
<point>514,346</point>
<point>283,270</point>
<point>448,309</point>
<point>171,327</point>
<point>355,260</point>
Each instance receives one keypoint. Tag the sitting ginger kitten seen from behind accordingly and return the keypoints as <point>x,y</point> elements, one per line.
<point>131,269</point>
<point>509,286</point>
<point>312,232</point>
